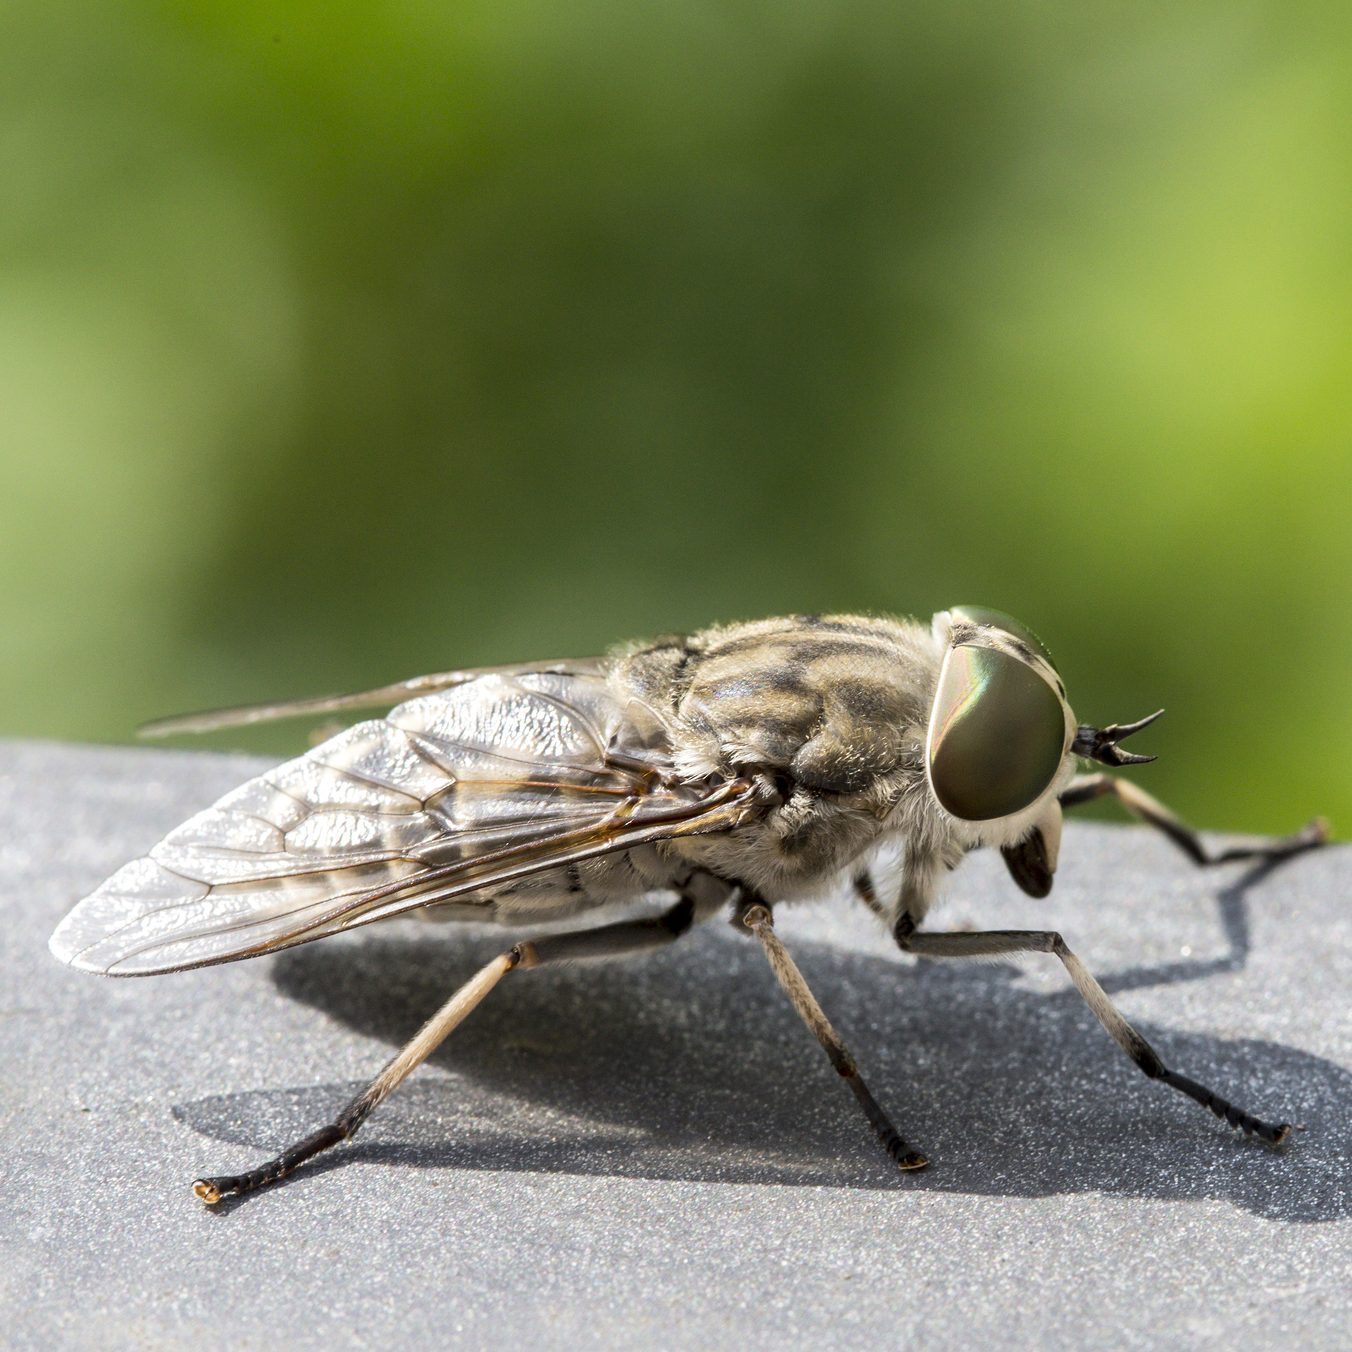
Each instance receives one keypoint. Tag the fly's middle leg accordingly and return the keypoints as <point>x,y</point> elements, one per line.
<point>755,915</point>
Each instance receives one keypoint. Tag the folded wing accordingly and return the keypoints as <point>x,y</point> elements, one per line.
<point>453,796</point>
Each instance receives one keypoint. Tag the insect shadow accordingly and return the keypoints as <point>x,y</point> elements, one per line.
<point>688,1065</point>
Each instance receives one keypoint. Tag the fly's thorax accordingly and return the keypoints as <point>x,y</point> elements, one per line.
<point>814,837</point>
<point>832,702</point>
<point>828,711</point>
<point>794,848</point>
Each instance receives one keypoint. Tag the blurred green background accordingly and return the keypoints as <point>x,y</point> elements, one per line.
<point>342,342</point>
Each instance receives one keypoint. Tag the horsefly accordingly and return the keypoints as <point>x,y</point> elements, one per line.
<point>730,770</point>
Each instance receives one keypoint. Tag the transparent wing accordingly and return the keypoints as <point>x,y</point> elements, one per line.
<point>243,715</point>
<point>452,796</point>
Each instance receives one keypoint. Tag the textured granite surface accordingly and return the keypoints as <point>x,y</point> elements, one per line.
<point>654,1150</point>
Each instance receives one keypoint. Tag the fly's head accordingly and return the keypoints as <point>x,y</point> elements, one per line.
<point>1002,742</point>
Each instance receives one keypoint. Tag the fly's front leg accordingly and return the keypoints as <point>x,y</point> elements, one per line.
<point>630,936</point>
<point>1086,788</point>
<point>755,915</point>
<point>997,943</point>
<point>921,872</point>
<point>868,893</point>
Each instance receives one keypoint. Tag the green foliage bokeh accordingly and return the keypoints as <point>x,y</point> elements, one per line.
<point>342,342</point>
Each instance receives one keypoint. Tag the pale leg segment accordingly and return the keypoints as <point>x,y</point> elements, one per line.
<point>1086,788</point>
<point>630,936</point>
<point>868,893</point>
<point>756,917</point>
<point>995,943</point>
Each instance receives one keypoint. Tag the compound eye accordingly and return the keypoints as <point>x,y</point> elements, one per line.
<point>997,619</point>
<point>997,733</point>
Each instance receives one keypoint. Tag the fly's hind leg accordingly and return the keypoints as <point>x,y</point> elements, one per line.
<point>1086,788</point>
<point>632,936</point>
<point>755,915</point>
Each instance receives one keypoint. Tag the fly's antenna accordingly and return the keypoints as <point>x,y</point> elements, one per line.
<point>1100,744</point>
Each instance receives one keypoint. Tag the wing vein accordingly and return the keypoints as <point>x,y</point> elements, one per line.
<point>459,794</point>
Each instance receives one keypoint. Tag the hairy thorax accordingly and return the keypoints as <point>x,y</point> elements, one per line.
<point>830,711</point>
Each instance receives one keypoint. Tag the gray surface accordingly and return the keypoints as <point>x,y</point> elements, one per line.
<point>654,1151</point>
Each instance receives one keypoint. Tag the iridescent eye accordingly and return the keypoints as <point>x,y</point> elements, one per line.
<point>997,733</point>
<point>999,620</point>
